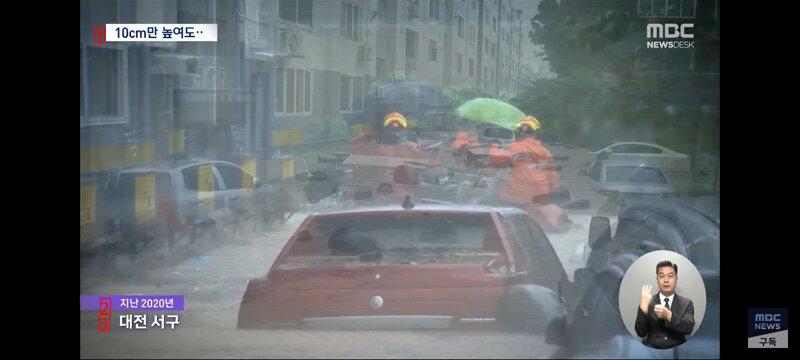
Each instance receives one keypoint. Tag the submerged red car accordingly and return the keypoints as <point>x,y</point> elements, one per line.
<point>452,265</point>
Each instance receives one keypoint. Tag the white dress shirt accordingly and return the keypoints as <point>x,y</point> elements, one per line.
<point>662,297</point>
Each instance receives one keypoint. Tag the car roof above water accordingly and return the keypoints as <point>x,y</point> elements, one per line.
<point>423,207</point>
<point>171,165</point>
<point>628,162</point>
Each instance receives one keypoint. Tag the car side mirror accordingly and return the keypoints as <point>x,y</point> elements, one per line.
<point>599,231</point>
<point>256,182</point>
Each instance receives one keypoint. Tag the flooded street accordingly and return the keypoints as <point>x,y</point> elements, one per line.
<point>213,284</point>
<point>208,324</point>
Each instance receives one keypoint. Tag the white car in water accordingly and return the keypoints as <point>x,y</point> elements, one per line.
<point>640,149</point>
<point>629,177</point>
<point>670,161</point>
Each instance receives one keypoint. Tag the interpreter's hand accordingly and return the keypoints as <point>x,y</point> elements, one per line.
<point>662,312</point>
<point>646,297</point>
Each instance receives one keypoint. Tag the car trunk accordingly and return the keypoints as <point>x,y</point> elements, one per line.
<point>423,265</point>
<point>450,292</point>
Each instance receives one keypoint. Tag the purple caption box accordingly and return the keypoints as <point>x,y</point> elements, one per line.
<point>134,302</point>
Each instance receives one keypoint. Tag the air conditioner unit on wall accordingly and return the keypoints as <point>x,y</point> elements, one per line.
<point>364,53</point>
<point>194,81</point>
<point>213,76</point>
<point>291,43</point>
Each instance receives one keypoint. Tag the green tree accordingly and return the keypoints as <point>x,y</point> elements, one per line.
<point>603,89</point>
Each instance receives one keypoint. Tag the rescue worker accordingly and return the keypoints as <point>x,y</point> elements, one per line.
<point>397,139</point>
<point>532,174</point>
<point>395,120</point>
<point>462,142</point>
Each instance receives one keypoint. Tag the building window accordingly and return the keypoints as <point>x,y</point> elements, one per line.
<point>290,88</point>
<point>301,84</point>
<point>460,26</point>
<point>299,11</point>
<point>474,5</point>
<point>716,10</point>
<point>459,61</point>
<point>308,91</point>
<point>493,51</point>
<point>188,11</point>
<point>104,85</point>
<point>345,87</point>
<point>380,68</point>
<point>351,22</point>
<point>434,9</point>
<point>351,94</point>
<point>432,50</point>
<point>494,23</point>
<point>412,9</point>
<point>411,44</point>
<point>358,94</point>
<point>293,93</point>
<point>279,89</point>
<point>471,68</point>
<point>667,8</point>
<point>264,13</point>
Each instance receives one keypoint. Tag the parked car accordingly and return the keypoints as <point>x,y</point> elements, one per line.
<point>639,149</point>
<point>630,177</point>
<point>182,194</point>
<point>668,160</point>
<point>191,183</point>
<point>431,265</point>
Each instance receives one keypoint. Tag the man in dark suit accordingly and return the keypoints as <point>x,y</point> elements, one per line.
<point>663,320</point>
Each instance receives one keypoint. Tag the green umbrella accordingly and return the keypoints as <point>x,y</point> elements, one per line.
<point>490,111</point>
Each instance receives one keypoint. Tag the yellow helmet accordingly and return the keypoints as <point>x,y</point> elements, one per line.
<point>531,122</point>
<point>395,117</point>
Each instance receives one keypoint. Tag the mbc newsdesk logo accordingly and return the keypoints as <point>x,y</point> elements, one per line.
<point>768,328</point>
<point>670,31</point>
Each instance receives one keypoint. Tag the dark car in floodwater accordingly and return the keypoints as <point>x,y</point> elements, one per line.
<point>687,226</point>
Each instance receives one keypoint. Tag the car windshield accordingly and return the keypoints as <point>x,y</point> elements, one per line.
<point>498,133</point>
<point>296,159</point>
<point>400,239</point>
<point>635,174</point>
<point>636,149</point>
